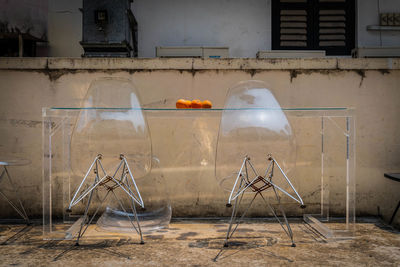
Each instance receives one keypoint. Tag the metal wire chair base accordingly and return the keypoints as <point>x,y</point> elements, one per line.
<point>109,183</point>
<point>257,185</point>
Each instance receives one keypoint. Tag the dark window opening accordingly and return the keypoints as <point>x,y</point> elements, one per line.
<point>314,25</point>
<point>14,44</point>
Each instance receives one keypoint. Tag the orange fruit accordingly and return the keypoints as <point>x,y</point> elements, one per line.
<point>196,103</point>
<point>182,103</point>
<point>206,104</point>
<point>188,104</point>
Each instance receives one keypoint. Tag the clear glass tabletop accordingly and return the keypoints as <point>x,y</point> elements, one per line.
<point>14,162</point>
<point>200,109</point>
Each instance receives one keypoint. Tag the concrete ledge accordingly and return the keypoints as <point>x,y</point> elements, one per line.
<point>368,63</point>
<point>265,63</point>
<point>24,63</point>
<point>199,64</point>
<point>120,63</point>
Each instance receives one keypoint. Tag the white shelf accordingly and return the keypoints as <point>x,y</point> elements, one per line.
<point>382,28</point>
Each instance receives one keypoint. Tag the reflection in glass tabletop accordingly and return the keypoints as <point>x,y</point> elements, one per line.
<point>14,162</point>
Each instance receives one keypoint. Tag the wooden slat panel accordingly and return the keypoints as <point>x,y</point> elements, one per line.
<point>287,43</point>
<point>293,12</point>
<point>332,18</point>
<point>332,43</point>
<point>332,37</point>
<point>293,18</point>
<point>332,12</point>
<point>294,31</point>
<point>293,1</point>
<point>293,25</point>
<point>332,24</point>
<point>332,30</point>
<point>293,37</point>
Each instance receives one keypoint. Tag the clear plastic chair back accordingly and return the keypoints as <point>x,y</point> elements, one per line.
<point>111,123</point>
<point>252,124</point>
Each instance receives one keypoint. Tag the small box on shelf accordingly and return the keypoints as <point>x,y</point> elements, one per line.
<point>389,19</point>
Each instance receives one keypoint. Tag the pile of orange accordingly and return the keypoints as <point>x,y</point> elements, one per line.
<point>196,103</point>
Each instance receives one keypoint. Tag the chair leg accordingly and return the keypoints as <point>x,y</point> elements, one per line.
<point>234,211</point>
<point>288,229</point>
<point>230,232</point>
<point>20,210</point>
<point>137,227</point>
<point>85,218</point>
<point>394,213</point>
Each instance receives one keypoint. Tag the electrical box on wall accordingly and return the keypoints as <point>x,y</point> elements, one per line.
<point>109,29</point>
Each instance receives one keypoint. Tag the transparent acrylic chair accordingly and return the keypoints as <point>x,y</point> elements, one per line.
<point>110,152</point>
<point>255,153</point>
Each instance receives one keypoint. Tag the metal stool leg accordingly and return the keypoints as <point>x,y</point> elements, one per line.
<point>20,210</point>
<point>394,213</point>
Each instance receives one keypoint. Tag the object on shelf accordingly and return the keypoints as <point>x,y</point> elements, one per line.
<point>196,103</point>
<point>383,19</point>
<point>389,19</point>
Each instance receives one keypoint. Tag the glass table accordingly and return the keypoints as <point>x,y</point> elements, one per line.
<point>184,143</point>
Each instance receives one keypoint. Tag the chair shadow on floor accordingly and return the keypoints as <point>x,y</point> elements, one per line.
<point>241,244</point>
<point>109,247</point>
<point>262,243</point>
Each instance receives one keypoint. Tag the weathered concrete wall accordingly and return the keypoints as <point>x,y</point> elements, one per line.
<point>243,26</point>
<point>371,86</point>
<point>28,16</point>
<point>64,28</point>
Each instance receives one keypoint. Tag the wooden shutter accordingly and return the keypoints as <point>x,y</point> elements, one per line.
<point>313,25</point>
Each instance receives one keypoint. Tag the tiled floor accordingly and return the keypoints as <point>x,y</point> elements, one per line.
<point>200,243</point>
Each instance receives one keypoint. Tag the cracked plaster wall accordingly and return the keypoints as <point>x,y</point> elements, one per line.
<point>368,86</point>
